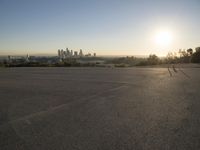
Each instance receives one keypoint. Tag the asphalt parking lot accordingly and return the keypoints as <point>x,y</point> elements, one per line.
<point>100,108</point>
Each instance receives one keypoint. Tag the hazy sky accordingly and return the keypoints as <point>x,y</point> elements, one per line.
<point>108,27</point>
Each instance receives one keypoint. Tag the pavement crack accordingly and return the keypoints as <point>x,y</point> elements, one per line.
<point>184,73</point>
<point>169,72</point>
<point>173,66</point>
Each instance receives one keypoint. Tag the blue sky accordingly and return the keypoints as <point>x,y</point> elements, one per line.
<point>108,27</point>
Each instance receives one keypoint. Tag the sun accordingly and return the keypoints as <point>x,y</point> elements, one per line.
<point>163,38</point>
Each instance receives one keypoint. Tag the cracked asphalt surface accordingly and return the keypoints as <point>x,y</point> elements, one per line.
<point>100,109</point>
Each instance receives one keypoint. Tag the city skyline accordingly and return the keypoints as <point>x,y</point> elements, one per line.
<point>111,27</point>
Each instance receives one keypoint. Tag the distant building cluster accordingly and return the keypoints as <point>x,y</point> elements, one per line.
<point>18,58</point>
<point>63,54</point>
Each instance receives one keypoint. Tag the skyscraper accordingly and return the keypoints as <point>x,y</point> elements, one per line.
<point>71,54</point>
<point>62,54</point>
<point>80,53</point>
<point>59,53</point>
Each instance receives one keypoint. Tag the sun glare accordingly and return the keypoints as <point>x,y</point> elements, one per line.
<point>163,38</point>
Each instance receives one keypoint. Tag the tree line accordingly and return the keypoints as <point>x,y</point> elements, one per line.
<point>185,56</point>
<point>182,56</point>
